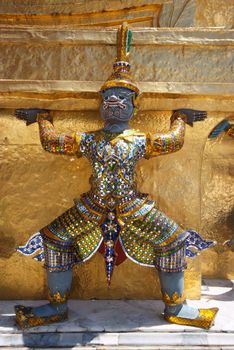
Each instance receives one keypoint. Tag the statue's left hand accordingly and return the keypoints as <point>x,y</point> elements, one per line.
<point>29,115</point>
<point>192,115</point>
<point>230,242</point>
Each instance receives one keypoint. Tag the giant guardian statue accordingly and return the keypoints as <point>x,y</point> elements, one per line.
<point>113,217</point>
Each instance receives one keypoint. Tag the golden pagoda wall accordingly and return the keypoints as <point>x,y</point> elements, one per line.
<point>158,55</point>
<point>62,70</point>
<point>217,209</point>
<point>102,13</point>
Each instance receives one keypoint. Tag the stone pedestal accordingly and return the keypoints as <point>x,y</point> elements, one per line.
<point>125,325</point>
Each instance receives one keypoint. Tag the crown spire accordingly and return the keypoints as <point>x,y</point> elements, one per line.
<point>121,76</point>
<point>124,37</point>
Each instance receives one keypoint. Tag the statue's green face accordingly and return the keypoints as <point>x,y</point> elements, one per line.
<point>117,105</point>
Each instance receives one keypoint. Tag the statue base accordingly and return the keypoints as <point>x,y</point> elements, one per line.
<point>120,324</point>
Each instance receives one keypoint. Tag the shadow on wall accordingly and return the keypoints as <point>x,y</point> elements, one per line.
<point>7,246</point>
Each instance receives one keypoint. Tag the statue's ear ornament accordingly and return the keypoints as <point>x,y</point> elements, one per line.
<point>136,101</point>
<point>121,76</point>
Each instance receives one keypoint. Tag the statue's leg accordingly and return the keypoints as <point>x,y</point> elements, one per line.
<point>157,240</point>
<point>172,284</point>
<point>59,285</point>
<point>176,309</point>
<point>59,260</point>
<point>66,242</point>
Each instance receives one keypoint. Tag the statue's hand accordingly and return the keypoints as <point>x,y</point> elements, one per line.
<point>30,115</point>
<point>192,115</point>
<point>230,242</point>
<point>224,127</point>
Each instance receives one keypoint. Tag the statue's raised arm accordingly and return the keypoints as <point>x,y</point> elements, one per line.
<point>65,143</point>
<point>173,140</point>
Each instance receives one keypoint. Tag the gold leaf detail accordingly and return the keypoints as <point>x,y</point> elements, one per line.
<point>174,300</point>
<point>57,298</point>
<point>204,320</point>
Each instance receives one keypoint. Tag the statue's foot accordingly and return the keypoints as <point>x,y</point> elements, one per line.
<point>27,317</point>
<point>188,316</point>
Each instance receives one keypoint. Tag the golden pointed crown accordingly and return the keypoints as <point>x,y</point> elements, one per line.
<point>121,76</point>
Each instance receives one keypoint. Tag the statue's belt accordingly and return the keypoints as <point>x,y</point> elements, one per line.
<point>131,207</point>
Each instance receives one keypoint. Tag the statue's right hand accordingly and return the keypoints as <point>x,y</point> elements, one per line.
<point>29,115</point>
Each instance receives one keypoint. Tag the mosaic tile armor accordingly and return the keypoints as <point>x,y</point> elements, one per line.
<point>114,216</point>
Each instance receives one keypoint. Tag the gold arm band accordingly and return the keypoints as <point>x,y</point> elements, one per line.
<point>43,116</point>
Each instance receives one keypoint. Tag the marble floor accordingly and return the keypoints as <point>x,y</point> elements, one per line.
<point>125,324</point>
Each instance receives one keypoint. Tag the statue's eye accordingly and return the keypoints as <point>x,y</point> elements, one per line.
<point>106,98</point>
<point>121,97</point>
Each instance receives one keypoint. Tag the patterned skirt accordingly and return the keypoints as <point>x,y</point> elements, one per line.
<point>153,240</point>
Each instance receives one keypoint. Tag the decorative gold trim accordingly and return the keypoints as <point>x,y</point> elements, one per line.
<point>205,319</point>
<point>57,298</point>
<point>174,300</point>
<point>122,54</point>
<point>49,234</point>
<point>25,318</point>
<point>131,211</point>
<point>91,209</point>
<point>43,116</point>
<point>149,146</point>
<point>179,115</point>
<point>84,18</point>
<point>230,131</point>
<point>177,233</point>
<point>120,83</point>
